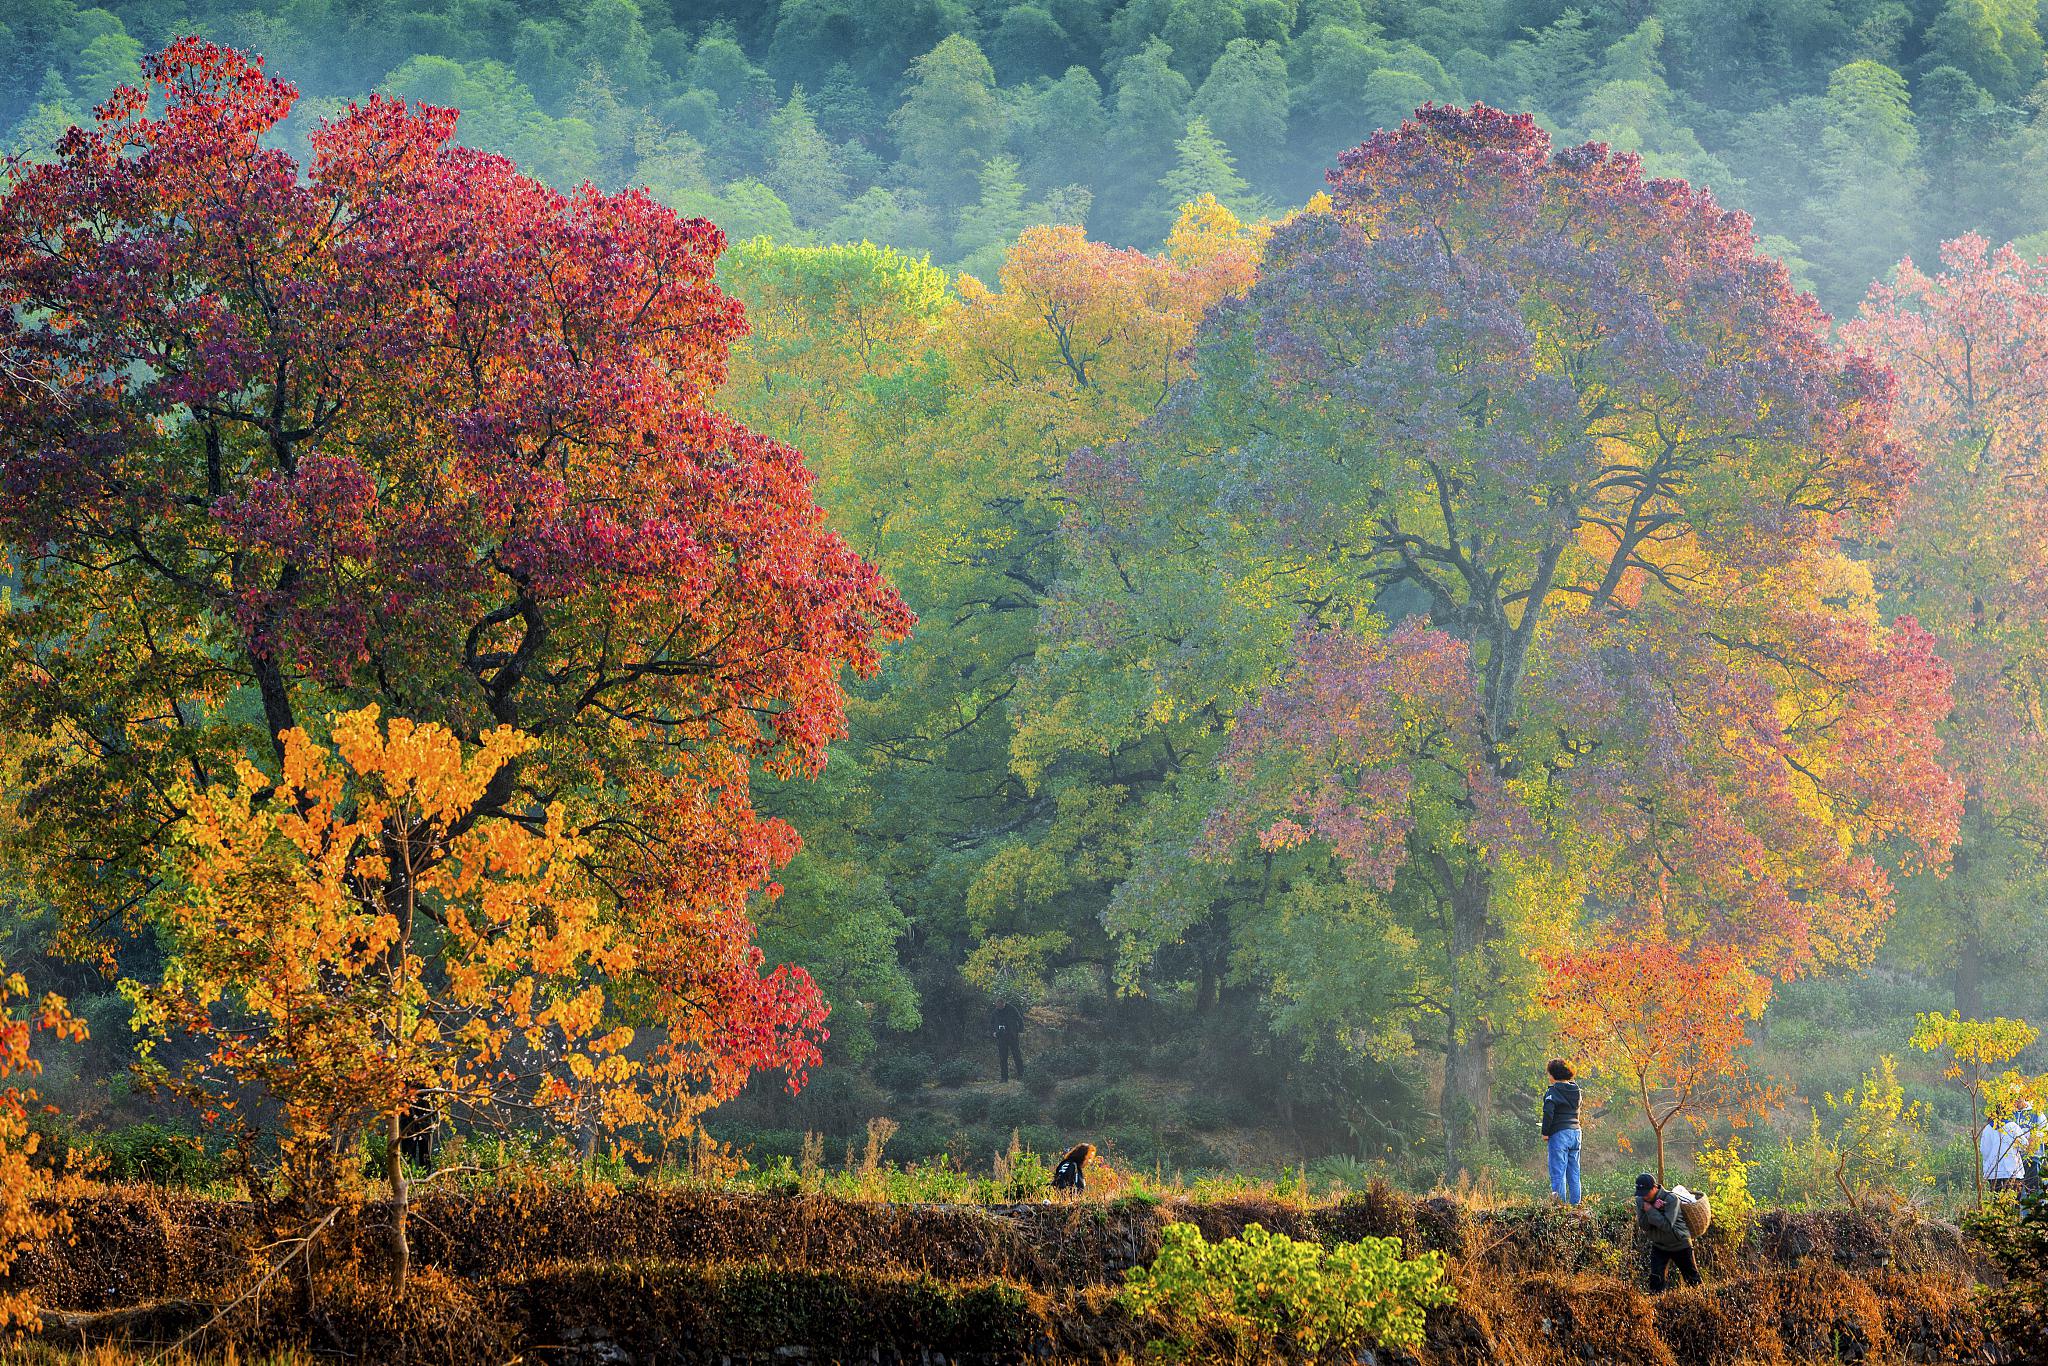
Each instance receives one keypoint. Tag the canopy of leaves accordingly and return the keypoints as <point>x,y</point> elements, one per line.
<point>405,427</point>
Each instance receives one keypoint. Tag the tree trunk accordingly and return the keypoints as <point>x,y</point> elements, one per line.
<point>1212,949</point>
<point>1466,1102</point>
<point>394,1171</point>
<point>1658,1130</point>
<point>399,894</point>
<point>1467,1091</point>
<point>1969,979</point>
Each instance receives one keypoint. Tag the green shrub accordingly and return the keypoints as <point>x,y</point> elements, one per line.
<point>902,1072</point>
<point>1013,1111</point>
<point>1088,1107</point>
<point>2017,1236</point>
<point>1203,1113</point>
<point>923,1139</point>
<point>936,1180</point>
<point>1268,1291</point>
<point>955,1072</point>
<point>1025,1176</point>
<point>1071,1060</point>
<point>156,1154</point>
<point>1043,1138</point>
<point>973,1107</point>
<point>1134,1145</point>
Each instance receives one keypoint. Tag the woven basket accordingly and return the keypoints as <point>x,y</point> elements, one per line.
<point>1697,1214</point>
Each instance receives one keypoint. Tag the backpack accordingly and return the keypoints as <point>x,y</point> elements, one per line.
<point>1694,1209</point>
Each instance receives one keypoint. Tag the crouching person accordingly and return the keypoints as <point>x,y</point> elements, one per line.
<point>1658,1216</point>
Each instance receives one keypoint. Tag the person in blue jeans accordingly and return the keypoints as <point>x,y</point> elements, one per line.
<point>1561,1130</point>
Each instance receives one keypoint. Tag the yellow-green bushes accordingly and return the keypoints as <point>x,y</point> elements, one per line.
<point>1268,1290</point>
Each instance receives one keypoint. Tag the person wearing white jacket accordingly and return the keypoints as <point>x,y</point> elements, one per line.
<point>2002,1147</point>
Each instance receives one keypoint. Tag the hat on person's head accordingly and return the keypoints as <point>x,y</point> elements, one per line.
<point>1645,1183</point>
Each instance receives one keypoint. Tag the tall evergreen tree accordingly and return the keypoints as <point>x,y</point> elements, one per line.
<point>1203,166</point>
<point>1870,180</point>
<point>1149,120</point>
<point>950,122</point>
<point>1245,100</point>
<point>801,165</point>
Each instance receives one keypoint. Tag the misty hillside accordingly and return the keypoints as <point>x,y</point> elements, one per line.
<point>1855,131</point>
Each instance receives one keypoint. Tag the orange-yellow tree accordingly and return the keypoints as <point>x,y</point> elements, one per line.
<point>25,1187</point>
<point>291,907</point>
<point>1665,1022</point>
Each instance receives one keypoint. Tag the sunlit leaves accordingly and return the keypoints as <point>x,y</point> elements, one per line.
<point>406,427</point>
<point>28,1212</point>
<point>1664,1024</point>
<point>345,942</point>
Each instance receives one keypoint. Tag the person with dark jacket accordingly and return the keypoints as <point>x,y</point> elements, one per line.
<point>1561,1131</point>
<point>1072,1172</point>
<point>1670,1238</point>
<point>1009,1023</point>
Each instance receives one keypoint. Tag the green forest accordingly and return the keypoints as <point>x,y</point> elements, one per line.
<point>1854,133</point>
<point>1024,284</point>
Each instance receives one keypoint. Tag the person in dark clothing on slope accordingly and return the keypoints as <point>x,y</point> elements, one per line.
<point>1657,1215</point>
<point>1009,1023</point>
<point>1561,1131</point>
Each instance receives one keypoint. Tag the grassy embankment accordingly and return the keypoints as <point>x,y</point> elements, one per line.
<point>876,1264</point>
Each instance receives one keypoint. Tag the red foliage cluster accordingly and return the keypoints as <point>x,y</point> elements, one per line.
<point>406,426</point>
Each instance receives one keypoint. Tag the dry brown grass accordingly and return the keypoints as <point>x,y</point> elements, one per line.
<point>500,1270</point>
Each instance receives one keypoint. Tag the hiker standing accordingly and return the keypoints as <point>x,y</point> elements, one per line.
<point>1009,1023</point>
<point>2001,1148</point>
<point>1561,1130</point>
<point>1658,1216</point>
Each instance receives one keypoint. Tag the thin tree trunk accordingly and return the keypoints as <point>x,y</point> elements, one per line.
<point>394,1172</point>
<point>402,896</point>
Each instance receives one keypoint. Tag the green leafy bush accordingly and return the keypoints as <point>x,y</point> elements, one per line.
<point>2017,1236</point>
<point>1267,1291</point>
<point>955,1072</point>
<point>158,1155</point>
<point>1202,1114</point>
<point>1072,1060</point>
<point>1014,1111</point>
<point>903,1072</point>
<point>1023,1175</point>
<point>1091,1106</point>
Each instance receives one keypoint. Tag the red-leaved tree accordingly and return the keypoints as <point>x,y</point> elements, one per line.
<point>406,427</point>
<point>1664,1024</point>
<point>1968,558</point>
